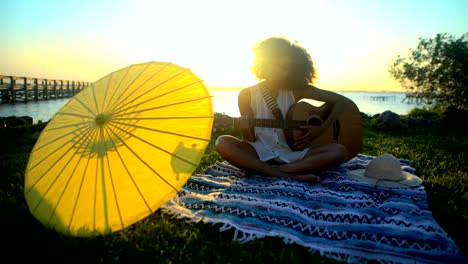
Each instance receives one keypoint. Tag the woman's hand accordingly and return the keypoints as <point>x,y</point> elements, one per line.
<point>243,124</point>
<point>304,140</point>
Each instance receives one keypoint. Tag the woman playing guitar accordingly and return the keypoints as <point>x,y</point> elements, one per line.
<point>286,73</point>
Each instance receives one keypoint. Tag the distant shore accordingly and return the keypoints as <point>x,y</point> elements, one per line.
<point>238,88</point>
<point>224,101</point>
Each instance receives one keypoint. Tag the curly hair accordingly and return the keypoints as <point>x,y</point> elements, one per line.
<point>302,68</point>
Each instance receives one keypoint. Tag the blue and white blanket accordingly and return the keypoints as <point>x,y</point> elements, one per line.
<point>340,218</point>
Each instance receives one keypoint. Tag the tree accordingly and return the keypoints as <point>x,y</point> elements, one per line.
<point>436,71</point>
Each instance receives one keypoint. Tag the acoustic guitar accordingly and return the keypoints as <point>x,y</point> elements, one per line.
<point>346,129</point>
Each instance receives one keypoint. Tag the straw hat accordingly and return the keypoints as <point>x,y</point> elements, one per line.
<point>385,171</point>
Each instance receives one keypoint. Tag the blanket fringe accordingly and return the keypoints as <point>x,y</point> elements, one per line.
<point>254,208</point>
<point>243,236</point>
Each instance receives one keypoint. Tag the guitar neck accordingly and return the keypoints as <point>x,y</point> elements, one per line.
<point>274,123</point>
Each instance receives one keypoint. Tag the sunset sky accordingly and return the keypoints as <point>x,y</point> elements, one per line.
<point>351,42</point>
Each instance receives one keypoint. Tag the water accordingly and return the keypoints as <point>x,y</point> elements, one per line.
<point>371,103</point>
<point>376,103</point>
<point>224,101</point>
<point>39,111</point>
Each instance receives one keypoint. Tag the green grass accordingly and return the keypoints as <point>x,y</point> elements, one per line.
<point>438,153</point>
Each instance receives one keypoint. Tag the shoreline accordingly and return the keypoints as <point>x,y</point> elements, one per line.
<point>238,88</point>
<point>224,102</point>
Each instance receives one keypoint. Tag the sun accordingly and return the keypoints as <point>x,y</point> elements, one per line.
<point>227,67</point>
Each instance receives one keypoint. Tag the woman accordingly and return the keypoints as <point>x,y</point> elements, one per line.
<point>286,72</point>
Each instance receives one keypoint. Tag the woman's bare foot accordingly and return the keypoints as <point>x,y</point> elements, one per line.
<point>309,178</point>
<point>276,171</point>
<point>243,174</point>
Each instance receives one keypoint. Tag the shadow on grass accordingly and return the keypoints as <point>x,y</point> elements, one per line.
<point>156,239</point>
<point>449,209</point>
<point>437,154</point>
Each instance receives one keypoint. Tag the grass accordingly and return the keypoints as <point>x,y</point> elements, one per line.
<point>438,153</point>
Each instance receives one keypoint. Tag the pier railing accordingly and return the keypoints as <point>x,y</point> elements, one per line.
<point>14,89</point>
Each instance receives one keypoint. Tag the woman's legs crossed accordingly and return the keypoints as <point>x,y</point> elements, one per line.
<point>237,152</point>
<point>317,159</point>
<point>243,155</point>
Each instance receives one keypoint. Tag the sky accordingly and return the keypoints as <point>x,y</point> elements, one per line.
<point>351,42</point>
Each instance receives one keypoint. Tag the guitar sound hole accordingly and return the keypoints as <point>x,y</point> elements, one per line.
<point>315,121</point>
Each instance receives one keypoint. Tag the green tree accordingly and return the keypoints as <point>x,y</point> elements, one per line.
<point>437,70</point>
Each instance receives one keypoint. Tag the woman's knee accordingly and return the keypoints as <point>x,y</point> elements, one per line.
<point>221,141</point>
<point>339,151</point>
<point>225,142</point>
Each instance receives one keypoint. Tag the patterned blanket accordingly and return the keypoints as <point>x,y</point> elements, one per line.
<point>340,218</point>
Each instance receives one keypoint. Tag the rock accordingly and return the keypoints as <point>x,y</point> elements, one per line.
<point>418,122</point>
<point>26,119</point>
<point>389,120</point>
<point>365,116</point>
<point>36,135</point>
<point>15,121</point>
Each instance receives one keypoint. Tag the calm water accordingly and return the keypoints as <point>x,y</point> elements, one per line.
<point>368,102</point>
<point>224,101</point>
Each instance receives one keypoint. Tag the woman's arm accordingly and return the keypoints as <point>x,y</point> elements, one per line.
<point>334,106</point>
<point>243,102</point>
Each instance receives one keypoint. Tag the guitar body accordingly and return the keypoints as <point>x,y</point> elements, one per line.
<point>345,130</point>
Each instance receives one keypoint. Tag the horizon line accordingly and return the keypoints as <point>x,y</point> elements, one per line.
<point>238,88</point>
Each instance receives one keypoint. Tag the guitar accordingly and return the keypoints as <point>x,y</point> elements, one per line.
<point>346,129</point>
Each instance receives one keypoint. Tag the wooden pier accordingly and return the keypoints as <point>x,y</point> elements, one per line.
<point>14,89</point>
<point>383,98</point>
<point>418,98</point>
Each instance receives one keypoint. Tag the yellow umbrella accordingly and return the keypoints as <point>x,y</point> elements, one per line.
<point>119,149</point>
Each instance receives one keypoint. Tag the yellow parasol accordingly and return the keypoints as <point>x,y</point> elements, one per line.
<point>119,149</point>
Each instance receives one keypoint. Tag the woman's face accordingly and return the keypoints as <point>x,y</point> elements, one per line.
<point>277,70</point>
